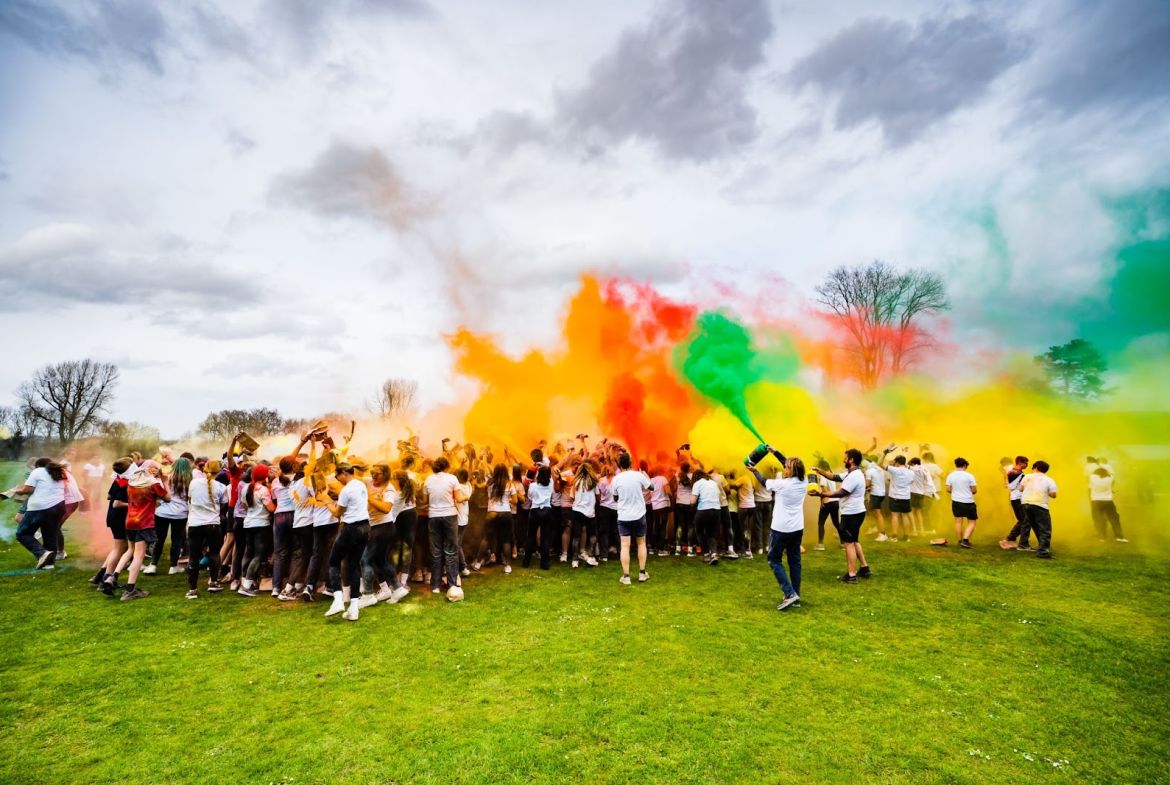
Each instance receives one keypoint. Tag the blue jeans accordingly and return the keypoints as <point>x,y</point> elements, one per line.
<point>444,541</point>
<point>786,543</point>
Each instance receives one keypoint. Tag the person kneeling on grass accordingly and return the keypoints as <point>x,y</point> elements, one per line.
<point>627,488</point>
<point>1038,488</point>
<point>852,491</point>
<point>961,487</point>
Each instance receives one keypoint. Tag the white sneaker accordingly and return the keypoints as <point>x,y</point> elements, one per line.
<point>508,569</point>
<point>62,555</point>
<point>176,570</point>
<point>643,576</point>
<point>881,537</point>
<point>354,610</point>
<point>624,580</point>
<point>384,594</point>
<point>398,594</point>
<point>574,564</point>
<point>366,601</point>
<point>1122,539</point>
<point>465,572</point>
<point>591,561</point>
<point>564,558</point>
<point>476,565</point>
<point>337,607</point>
<point>149,569</point>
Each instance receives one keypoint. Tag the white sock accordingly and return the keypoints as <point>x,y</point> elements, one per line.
<point>353,604</point>
<point>287,588</point>
<point>345,593</point>
<point>384,586</point>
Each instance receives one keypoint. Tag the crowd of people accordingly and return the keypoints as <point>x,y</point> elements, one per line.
<point>325,522</point>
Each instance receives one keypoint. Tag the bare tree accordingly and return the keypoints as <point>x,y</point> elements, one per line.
<point>882,310</point>
<point>395,398</point>
<point>221,426</point>
<point>69,397</point>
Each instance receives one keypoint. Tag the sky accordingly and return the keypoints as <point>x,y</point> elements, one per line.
<point>282,203</point>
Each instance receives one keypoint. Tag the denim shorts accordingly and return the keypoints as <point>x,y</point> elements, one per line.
<point>632,528</point>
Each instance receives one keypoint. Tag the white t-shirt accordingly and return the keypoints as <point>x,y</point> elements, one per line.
<point>684,494</point>
<point>440,491</point>
<point>607,494</point>
<point>539,495</point>
<point>658,497</point>
<point>718,478</point>
<point>176,508</point>
<point>961,484</point>
<point>204,507</point>
<point>584,501</point>
<point>47,492</point>
<point>901,480</point>
<point>504,503</point>
<point>1015,487</point>
<point>384,494</point>
<point>854,485</point>
<point>241,505</point>
<point>707,492</point>
<point>935,476</point>
<point>94,471</point>
<point>1036,488</point>
<point>355,498</point>
<point>282,497</point>
<point>1089,469</point>
<point>877,480</point>
<point>257,515</point>
<point>303,505</point>
<point>461,507</point>
<point>627,489</point>
<point>747,497</point>
<point>1101,488</point>
<point>921,484</point>
<point>788,512</point>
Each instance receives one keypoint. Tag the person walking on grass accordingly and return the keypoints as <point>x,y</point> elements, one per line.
<point>44,510</point>
<point>144,492</point>
<point>787,528</point>
<point>117,499</point>
<point>961,486</point>
<point>852,495</point>
<point>627,488</point>
<point>352,508</point>
<point>1103,508</point>
<point>1038,488</point>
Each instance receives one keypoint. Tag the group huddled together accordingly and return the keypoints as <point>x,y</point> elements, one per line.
<point>328,522</point>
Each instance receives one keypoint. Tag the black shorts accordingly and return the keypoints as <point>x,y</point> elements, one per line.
<point>850,528</point>
<point>899,505</point>
<point>965,510</point>
<point>117,528</point>
<point>632,528</point>
<point>916,501</point>
<point>876,502</point>
<point>142,535</point>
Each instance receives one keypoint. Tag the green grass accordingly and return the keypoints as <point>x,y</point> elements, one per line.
<point>947,667</point>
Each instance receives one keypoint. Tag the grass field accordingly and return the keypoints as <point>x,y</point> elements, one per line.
<point>949,666</point>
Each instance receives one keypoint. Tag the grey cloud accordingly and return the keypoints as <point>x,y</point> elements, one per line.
<point>239,143</point>
<point>350,181</point>
<point>908,77</point>
<point>59,265</point>
<point>1117,54</point>
<point>221,34</point>
<point>106,32</point>
<point>678,83</point>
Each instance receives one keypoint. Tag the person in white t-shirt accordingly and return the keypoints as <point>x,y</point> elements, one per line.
<point>627,488</point>
<point>380,581</point>
<point>705,500</point>
<point>901,482</point>
<point>875,477</point>
<point>44,511</point>
<point>936,485</point>
<point>787,528</point>
<point>1013,479</point>
<point>463,517</point>
<point>540,517</point>
<point>852,495</point>
<point>829,508</point>
<point>502,495</point>
<point>1101,502</point>
<point>962,488</point>
<point>353,508</point>
<point>171,518</point>
<point>1037,489</point>
<point>584,513</point>
<point>257,545</point>
<point>443,491</point>
<point>204,531</point>
<point>921,489</point>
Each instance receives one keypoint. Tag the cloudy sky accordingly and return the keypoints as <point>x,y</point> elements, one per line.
<point>282,202</point>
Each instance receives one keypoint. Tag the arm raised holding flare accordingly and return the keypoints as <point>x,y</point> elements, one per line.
<point>752,467</point>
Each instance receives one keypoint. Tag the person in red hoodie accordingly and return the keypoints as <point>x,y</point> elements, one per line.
<point>144,491</point>
<point>107,577</point>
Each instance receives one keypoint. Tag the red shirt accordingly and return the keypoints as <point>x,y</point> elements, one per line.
<point>140,514</point>
<point>234,474</point>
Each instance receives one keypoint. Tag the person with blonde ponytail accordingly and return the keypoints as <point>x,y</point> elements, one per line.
<point>584,492</point>
<point>206,495</point>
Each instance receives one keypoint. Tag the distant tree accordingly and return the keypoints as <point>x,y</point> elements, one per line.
<point>69,397</point>
<point>882,310</point>
<point>221,426</point>
<point>1074,370</point>
<point>394,398</point>
<point>122,438</point>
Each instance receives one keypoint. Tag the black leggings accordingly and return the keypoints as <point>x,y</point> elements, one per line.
<point>827,511</point>
<point>199,538</point>
<point>581,521</point>
<point>259,539</point>
<point>606,528</point>
<point>683,536</point>
<point>302,551</point>
<point>497,536</point>
<point>539,519</point>
<point>322,544</point>
<point>725,525</point>
<point>238,541</point>
<point>404,529</point>
<point>707,528</point>
<point>376,566</point>
<point>282,549</point>
<point>656,528</point>
<point>178,530</point>
<point>1106,512</point>
<point>348,548</point>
